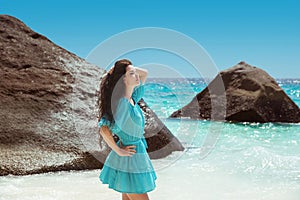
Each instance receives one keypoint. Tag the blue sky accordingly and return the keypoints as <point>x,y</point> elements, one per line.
<point>265,34</point>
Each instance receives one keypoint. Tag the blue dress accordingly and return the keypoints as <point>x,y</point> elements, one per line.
<point>124,173</point>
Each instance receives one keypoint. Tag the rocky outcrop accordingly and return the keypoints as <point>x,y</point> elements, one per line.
<point>252,95</point>
<point>48,119</point>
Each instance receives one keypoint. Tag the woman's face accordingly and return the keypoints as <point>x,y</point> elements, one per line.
<point>131,76</point>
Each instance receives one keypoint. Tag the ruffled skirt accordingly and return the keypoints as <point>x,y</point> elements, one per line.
<point>129,174</point>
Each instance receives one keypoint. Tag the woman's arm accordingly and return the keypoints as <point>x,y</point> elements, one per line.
<point>143,73</point>
<point>108,138</point>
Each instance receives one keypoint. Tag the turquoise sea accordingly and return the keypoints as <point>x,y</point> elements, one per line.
<point>221,160</point>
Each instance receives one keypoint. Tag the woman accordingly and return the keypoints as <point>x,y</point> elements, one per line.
<point>128,168</point>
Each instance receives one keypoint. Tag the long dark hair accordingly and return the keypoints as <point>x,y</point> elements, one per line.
<point>112,88</point>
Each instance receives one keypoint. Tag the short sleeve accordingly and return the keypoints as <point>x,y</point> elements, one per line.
<point>104,122</point>
<point>138,92</point>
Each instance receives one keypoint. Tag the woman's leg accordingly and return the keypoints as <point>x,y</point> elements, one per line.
<point>138,196</point>
<point>125,196</point>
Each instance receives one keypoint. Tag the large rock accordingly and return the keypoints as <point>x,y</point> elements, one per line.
<point>48,119</point>
<point>252,95</point>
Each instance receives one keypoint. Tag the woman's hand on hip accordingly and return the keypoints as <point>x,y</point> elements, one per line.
<point>126,150</point>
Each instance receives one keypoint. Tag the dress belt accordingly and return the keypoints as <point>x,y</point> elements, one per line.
<point>143,140</point>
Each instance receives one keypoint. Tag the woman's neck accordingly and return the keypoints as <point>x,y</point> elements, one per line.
<point>128,92</point>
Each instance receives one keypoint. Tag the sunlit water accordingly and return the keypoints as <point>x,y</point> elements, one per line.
<point>244,161</point>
